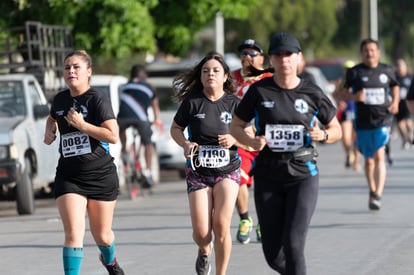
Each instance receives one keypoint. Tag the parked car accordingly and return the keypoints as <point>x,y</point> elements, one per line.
<point>170,154</point>
<point>27,165</point>
<point>321,81</point>
<point>332,69</point>
<point>109,84</point>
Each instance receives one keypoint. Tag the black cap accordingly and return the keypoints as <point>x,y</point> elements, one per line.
<point>283,41</point>
<point>250,43</point>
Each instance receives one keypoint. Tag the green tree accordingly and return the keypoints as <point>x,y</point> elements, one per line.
<point>178,21</point>
<point>314,22</point>
<point>119,28</point>
<point>396,21</point>
<point>395,27</point>
<point>109,28</point>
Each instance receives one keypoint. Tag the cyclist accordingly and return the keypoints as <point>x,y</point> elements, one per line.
<point>136,97</point>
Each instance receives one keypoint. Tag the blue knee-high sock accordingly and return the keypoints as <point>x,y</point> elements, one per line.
<point>108,253</point>
<point>72,260</point>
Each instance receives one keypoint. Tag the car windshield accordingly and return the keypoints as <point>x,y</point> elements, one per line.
<point>11,99</point>
<point>164,90</point>
<point>165,99</point>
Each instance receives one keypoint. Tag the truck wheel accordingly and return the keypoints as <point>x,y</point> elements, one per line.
<point>24,191</point>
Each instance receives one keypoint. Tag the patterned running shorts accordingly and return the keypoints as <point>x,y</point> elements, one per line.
<point>196,181</point>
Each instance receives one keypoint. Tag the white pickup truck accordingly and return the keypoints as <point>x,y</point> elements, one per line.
<point>27,165</point>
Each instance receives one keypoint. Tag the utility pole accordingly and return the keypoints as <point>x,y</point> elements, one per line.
<point>364,18</point>
<point>369,19</point>
<point>219,34</point>
<point>373,4</point>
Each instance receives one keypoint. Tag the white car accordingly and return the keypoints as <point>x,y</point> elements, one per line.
<point>27,165</point>
<point>170,154</point>
<point>109,84</point>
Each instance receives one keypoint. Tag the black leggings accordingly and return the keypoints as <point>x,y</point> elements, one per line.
<point>284,212</point>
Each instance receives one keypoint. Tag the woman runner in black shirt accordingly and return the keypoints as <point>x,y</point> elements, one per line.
<point>212,172</point>
<point>286,111</point>
<point>86,177</point>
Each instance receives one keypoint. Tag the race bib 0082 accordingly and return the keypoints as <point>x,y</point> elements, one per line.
<point>75,144</point>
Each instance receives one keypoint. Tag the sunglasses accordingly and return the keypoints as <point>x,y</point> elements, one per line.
<point>249,53</point>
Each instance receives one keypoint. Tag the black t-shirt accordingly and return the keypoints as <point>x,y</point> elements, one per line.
<point>410,94</point>
<point>205,120</point>
<point>405,83</point>
<point>376,83</point>
<point>142,94</point>
<point>270,104</point>
<point>96,108</point>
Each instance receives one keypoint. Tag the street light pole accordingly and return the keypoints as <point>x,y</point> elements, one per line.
<point>364,19</point>
<point>373,19</point>
<point>369,19</point>
<point>219,34</point>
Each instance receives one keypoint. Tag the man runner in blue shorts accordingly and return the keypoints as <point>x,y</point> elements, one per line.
<point>375,90</point>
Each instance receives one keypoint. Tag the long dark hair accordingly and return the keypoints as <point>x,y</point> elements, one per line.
<point>189,81</point>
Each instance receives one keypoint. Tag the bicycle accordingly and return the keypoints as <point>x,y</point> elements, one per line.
<point>135,181</point>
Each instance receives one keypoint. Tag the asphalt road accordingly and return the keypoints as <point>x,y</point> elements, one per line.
<point>153,233</point>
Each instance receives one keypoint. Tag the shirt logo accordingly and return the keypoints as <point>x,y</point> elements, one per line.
<point>268,104</point>
<point>301,106</point>
<point>200,116</point>
<point>383,78</point>
<point>225,117</point>
<point>83,111</point>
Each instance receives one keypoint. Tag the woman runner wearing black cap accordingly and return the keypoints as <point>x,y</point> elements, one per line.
<point>286,110</point>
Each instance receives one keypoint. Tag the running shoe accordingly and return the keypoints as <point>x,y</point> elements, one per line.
<point>374,201</point>
<point>258,233</point>
<point>147,181</point>
<point>203,266</point>
<point>245,227</point>
<point>114,268</point>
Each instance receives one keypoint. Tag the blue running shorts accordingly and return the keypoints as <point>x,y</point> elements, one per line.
<point>369,141</point>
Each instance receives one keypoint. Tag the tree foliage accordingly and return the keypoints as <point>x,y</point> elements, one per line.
<point>312,21</point>
<point>109,27</point>
<point>179,21</point>
<point>395,27</point>
<point>396,19</point>
<point>121,27</point>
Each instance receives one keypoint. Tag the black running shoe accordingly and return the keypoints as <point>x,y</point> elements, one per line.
<point>114,268</point>
<point>203,266</point>
<point>147,181</point>
<point>374,202</point>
